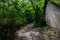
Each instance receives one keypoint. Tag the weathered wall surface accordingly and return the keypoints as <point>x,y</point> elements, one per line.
<point>53,15</point>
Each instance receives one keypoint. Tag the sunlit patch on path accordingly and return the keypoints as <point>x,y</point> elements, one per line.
<point>28,32</point>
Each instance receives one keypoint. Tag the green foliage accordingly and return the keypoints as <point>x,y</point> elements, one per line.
<point>19,12</point>
<point>56,1</point>
<point>16,13</point>
<point>16,10</point>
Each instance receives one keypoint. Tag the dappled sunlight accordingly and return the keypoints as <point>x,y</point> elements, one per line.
<point>29,19</point>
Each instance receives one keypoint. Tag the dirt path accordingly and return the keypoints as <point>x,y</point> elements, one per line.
<point>28,32</point>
